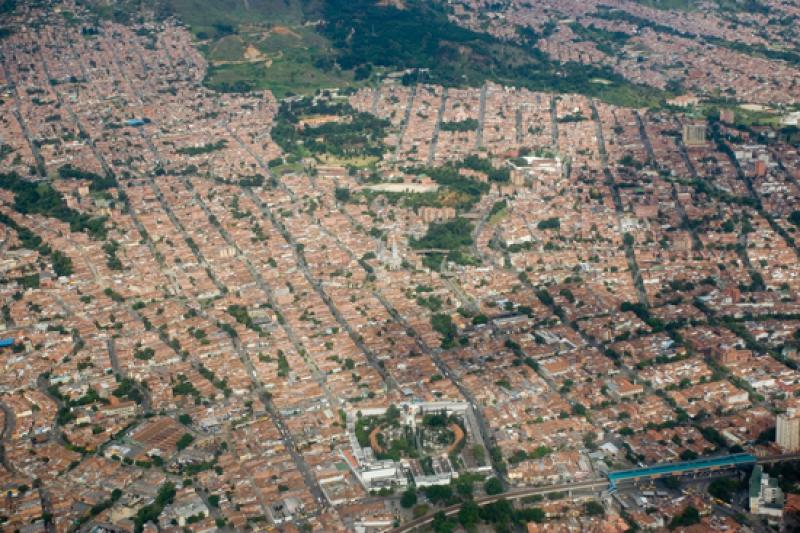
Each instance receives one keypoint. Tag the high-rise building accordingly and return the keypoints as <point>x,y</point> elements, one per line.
<point>766,497</point>
<point>787,432</point>
<point>694,134</point>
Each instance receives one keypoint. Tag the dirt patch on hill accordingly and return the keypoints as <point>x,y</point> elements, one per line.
<point>398,4</point>
<point>283,30</point>
<point>251,53</point>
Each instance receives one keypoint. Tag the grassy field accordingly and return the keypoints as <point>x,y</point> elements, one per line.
<point>284,72</point>
<point>749,118</point>
<point>264,46</point>
<point>228,48</point>
<point>250,44</point>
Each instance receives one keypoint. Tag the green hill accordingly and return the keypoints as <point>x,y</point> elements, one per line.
<point>298,46</point>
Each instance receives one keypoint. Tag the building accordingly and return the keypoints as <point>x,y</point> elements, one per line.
<point>284,510</point>
<point>787,432</point>
<point>760,168</point>
<point>375,474</point>
<point>791,119</point>
<point>694,134</point>
<point>766,497</point>
<point>727,116</point>
<point>686,100</point>
<point>436,214</point>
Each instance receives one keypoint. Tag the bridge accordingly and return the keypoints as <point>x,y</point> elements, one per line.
<point>684,467</point>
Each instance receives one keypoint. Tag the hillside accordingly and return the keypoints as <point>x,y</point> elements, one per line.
<point>298,46</point>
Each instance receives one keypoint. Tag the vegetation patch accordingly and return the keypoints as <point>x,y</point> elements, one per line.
<point>314,126</point>
<point>42,199</point>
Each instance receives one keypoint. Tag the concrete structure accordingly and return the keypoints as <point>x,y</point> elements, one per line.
<point>787,432</point>
<point>284,510</point>
<point>374,473</point>
<point>694,134</point>
<point>766,497</point>
<point>685,467</point>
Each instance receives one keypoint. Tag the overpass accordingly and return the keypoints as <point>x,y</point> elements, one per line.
<point>772,459</point>
<point>684,467</point>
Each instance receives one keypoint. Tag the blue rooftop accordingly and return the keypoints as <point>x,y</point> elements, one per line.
<point>5,343</point>
<point>134,122</point>
<point>723,461</point>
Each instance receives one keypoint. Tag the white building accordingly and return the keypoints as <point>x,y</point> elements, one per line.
<point>787,432</point>
<point>766,497</point>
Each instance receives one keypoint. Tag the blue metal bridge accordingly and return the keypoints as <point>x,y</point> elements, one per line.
<point>684,467</point>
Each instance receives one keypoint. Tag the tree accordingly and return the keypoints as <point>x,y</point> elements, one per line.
<point>42,198</point>
<point>439,493</point>
<point>688,517</point>
<point>794,218</point>
<point>463,488</point>
<point>342,194</point>
<point>441,524</point>
<point>628,239</point>
<point>443,324</point>
<point>499,513</point>
<point>533,514</point>
<point>409,498</point>
<point>579,409</point>
<point>479,453</point>
<point>470,514</point>
<point>493,486</point>
<point>184,441</point>
<point>549,223</point>
<point>723,488</point>
<point>449,235</point>
<point>594,508</point>
<point>392,414</point>
<point>469,124</point>
<point>62,263</point>
<point>151,512</point>
<point>688,455</point>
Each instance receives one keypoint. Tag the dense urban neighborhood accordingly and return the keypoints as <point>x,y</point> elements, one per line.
<point>376,299</point>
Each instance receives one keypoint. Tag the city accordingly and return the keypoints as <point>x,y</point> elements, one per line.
<point>398,304</point>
